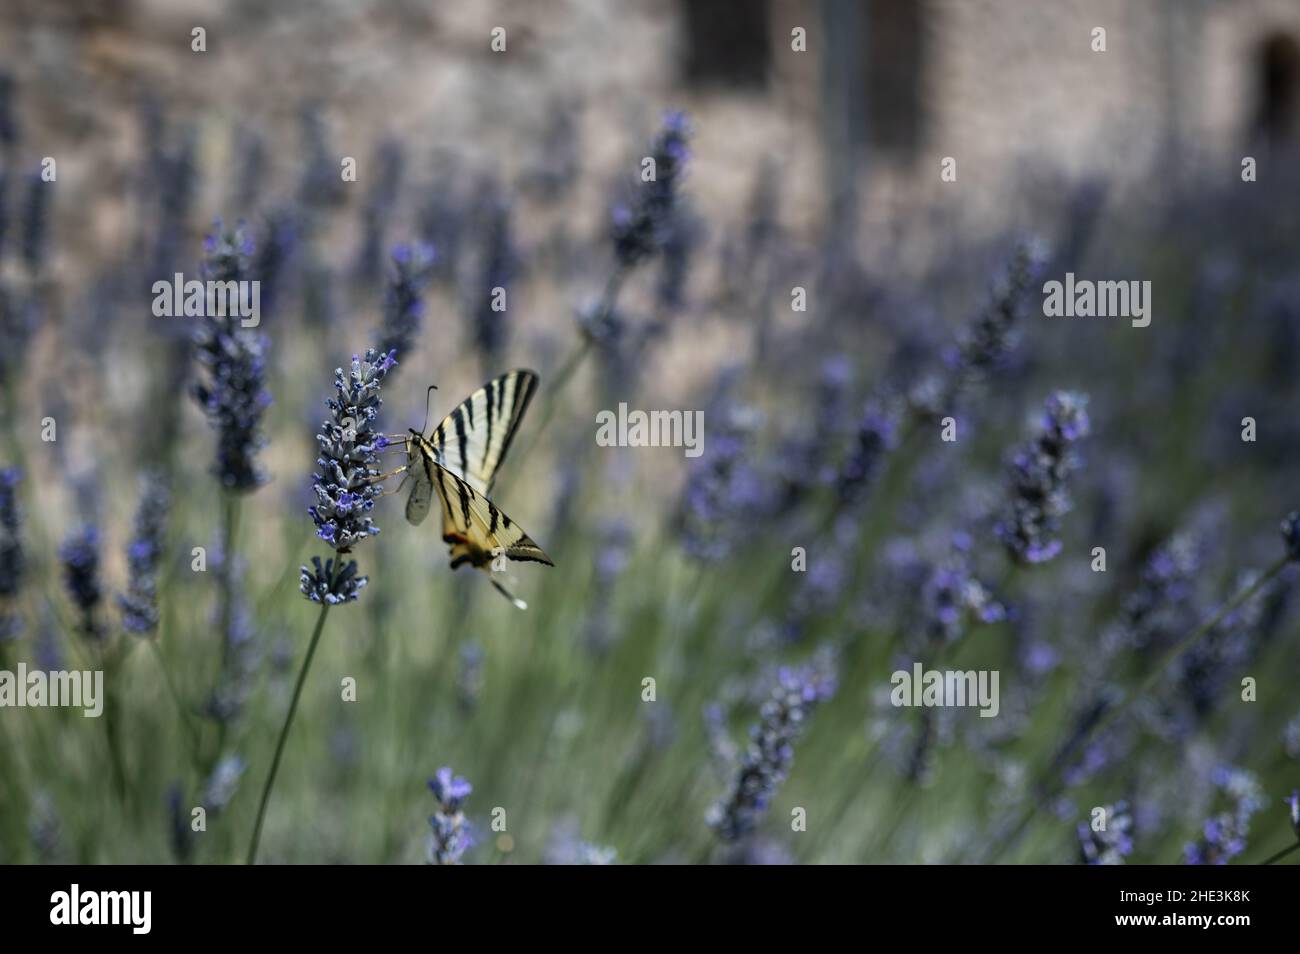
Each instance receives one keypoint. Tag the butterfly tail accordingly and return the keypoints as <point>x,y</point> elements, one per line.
<point>508,595</point>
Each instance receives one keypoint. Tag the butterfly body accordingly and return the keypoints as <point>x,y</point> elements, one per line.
<point>458,462</point>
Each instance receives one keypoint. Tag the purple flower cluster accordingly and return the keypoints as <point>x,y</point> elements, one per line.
<point>766,761</point>
<point>345,485</point>
<point>139,604</point>
<point>233,394</point>
<point>1112,844</point>
<point>80,557</point>
<point>1224,834</point>
<point>452,834</point>
<point>1038,475</point>
<point>13,563</point>
<point>640,228</point>
<point>404,298</point>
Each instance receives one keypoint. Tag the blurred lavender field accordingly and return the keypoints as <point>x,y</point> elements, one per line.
<point>841,263</point>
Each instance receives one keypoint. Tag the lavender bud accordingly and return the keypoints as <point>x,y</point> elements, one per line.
<point>640,228</point>
<point>80,556</point>
<point>451,832</point>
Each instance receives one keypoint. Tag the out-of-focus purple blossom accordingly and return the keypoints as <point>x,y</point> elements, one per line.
<point>451,832</point>
<point>404,298</point>
<point>1293,810</point>
<point>876,437</point>
<point>1224,834</point>
<point>322,183</point>
<point>1039,471</point>
<point>378,208</point>
<point>497,266</point>
<point>613,549</point>
<point>223,783</point>
<point>139,604</point>
<point>280,234</point>
<point>345,485</point>
<point>1291,535</point>
<point>986,343</point>
<point>232,359</point>
<point>952,596</point>
<point>641,226</point>
<point>13,562</point>
<point>173,179</point>
<point>36,222</point>
<point>1113,843</point>
<point>239,654</point>
<point>767,759</point>
<point>469,677</point>
<point>566,847</point>
<point>725,487</point>
<point>80,557</point>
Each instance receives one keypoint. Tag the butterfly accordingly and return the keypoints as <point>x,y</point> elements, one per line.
<point>458,462</point>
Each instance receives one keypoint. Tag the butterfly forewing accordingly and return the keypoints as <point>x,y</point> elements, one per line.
<point>473,439</point>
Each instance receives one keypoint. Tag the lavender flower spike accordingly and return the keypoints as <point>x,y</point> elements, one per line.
<point>451,832</point>
<point>640,228</point>
<point>345,485</point>
<point>139,604</point>
<point>767,760</point>
<point>403,299</point>
<point>234,394</point>
<point>1039,471</point>
<point>80,556</point>
<point>12,560</point>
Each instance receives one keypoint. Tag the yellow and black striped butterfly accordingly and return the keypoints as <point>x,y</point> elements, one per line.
<point>459,460</point>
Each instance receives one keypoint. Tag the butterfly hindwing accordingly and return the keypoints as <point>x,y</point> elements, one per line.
<point>473,439</point>
<point>476,529</point>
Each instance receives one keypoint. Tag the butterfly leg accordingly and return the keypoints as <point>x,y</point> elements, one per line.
<point>398,488</point>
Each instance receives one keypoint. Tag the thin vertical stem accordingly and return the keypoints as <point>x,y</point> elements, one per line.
<point>284,733</point>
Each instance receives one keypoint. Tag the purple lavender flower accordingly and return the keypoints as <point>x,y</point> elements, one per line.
<point>233,393</point>
<point>36,216</point>
<point>469,677</point>
<point>280,235</point>
<point>767,759</point>
<point>223,783</point>
<point>991,336</point>
<point>640,228</point>
<point>451,832</point>
<point>875,438</point>
<point>1291,535</point>
<point>1039,471</point>
<point>345,486</point>
<point>1224,834</point>
<point>1293,810</point>
<point>139,604</point>
<point>1114,844</point>
<point>13,563</point>
<point>377,209</point>
<point>80,556</point>
<point>403,300</point>
<point>321,184</point>
<point>498,265</point>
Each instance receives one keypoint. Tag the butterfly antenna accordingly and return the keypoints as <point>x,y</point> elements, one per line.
<point>428,402</point>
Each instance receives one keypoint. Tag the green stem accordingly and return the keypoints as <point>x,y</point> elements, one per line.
<point>284,733</point>
<point>1281,854</point>
<point>190,729</point>
<point>1049,782</point>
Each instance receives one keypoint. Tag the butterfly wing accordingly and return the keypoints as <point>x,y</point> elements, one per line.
<point>417,504</point>
<point>474,526</point>
<point>473,439</point>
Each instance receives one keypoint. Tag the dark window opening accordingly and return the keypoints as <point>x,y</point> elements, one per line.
<point>1278,71</point>
<point>893,63</point>
<point>727,43</point>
